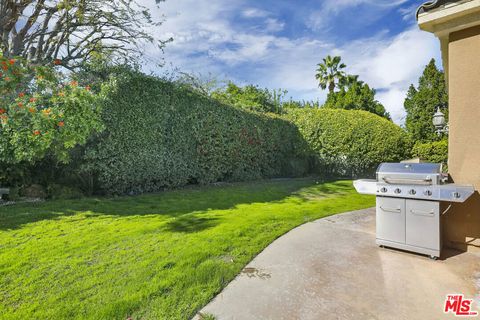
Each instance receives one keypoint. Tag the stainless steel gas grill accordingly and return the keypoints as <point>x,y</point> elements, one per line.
<point>409,203</point>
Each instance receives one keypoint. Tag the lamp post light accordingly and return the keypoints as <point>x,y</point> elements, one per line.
<point>441,126</point>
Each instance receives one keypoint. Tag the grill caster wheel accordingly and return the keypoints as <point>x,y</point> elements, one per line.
<point>433,257</point>
<point>381,246</point>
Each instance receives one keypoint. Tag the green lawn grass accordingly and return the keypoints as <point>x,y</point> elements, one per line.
<point>157,256</point>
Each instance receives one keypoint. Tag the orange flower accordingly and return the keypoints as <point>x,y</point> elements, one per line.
<point>20,105</point>
<point>32,110</point>
<point>61,94</point>
<point>21,94</point>
<point>61,124</point>
<point>2,111</point>
<point>33,99</point>
<point>87,88</point>
<point>12,61</point>
<point>7,78</point>
<point>36,132</point>
<point>57,62</point>
<point>4,67</point>
<point>46,111</point>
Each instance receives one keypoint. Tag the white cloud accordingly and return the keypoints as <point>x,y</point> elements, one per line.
<point>206,41</point>
<point>270,24</point>
<point>255,13</point>
<point>391,65</point>
<point>393,99</point>
<point>321,19</point>
<point>273,25</point>
<point>408,13</point>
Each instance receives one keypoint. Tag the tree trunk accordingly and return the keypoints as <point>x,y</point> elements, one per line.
<point>331,87</point>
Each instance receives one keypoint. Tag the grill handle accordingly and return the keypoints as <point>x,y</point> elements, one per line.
<point>395,210</point>
<point>422,213</point>
<point>427,181</point>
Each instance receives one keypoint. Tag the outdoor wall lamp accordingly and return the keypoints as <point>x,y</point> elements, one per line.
<point>441,126</point>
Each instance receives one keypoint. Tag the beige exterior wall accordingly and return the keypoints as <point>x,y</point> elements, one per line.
<point>462,222</point>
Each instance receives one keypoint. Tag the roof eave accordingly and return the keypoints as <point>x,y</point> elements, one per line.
<point>450,18</point>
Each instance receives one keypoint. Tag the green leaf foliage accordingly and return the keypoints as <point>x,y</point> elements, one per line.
<point>421,103</point>
<point>436,151</point>
<point>250,97</point>
<point>347,142</point>
<point>356,96</point>
<point>330,73</point>
<point>40,115</point>
<point>159,134</point>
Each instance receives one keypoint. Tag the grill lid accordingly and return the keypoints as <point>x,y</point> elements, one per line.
<point>410,173</point>
<point>415,168</point>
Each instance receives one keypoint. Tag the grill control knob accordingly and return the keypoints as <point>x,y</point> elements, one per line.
<point>457,195</point>
<point>427,193</point>
<point>412,192</point>
<point>383,190</point>
<point>398,190</point>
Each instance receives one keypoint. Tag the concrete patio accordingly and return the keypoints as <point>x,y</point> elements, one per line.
<point>332,269</point>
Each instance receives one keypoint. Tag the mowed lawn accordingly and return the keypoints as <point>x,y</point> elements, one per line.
<point>157,256</point>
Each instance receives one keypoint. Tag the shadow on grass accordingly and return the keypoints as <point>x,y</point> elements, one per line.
<point>324,190</point>
<point>190,223</point>
<point>179,203</point>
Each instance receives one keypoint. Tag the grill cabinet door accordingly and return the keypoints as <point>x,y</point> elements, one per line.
<point>423,224</point>
<point>391,219</point>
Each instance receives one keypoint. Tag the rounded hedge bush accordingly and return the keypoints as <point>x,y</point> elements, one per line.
<point>349,143</point>
<point>159,134</point>
<point>435,151</point>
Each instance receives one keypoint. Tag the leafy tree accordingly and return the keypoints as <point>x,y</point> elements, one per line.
<point>99,70</point>
<point>69,32</point>
<point>40,115</point>
<point>349,80</point>
<point>292,104</point>
<point>330,74</point>
<point>421,103</point>
<point>356,95</point>
<point>204,84</point>
<point>251,97</point>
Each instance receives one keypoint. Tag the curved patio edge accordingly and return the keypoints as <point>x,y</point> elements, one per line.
<point>332,269</point>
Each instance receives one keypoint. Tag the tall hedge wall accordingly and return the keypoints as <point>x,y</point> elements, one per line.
<point>349,143</point>
<point>159,134</point>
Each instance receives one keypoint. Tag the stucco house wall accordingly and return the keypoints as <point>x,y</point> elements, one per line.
<point>462,225</point>
<point>457,25</point>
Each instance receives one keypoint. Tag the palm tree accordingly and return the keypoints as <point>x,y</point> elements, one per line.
<point>349,80</point>
<point>330,72</point>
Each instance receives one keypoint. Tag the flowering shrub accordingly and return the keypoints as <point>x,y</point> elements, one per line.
<point>40,114</point>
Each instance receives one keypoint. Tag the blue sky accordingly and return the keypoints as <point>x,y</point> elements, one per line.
<point>277,44</point>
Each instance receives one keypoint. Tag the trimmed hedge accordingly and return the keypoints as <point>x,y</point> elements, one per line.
<point>159,134</point>
<point>436,151</point>
<point>349,143</point>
